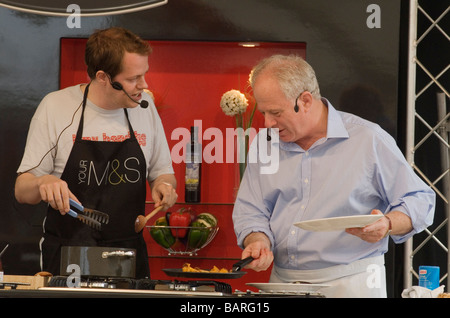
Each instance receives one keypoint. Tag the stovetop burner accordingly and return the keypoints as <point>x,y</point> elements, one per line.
<point>145,284</point>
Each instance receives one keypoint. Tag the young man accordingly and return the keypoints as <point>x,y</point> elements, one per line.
<point>94,144</point>
<point>331,164</point>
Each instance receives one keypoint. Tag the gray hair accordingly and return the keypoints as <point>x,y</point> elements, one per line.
<point>292,72</point>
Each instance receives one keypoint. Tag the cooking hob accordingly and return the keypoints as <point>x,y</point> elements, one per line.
<point>142,285</point>
<point>149,287</point>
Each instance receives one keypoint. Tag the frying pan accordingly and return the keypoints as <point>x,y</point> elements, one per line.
<point>234,273</point>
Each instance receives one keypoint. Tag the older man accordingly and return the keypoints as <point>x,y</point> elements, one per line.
<point>331,164</point>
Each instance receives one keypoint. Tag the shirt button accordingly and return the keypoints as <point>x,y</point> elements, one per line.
<point>293,232</point>
<point>306,180</point>
<point>292,257</point>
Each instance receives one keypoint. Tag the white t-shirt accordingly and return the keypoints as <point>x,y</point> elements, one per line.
<point>59,113</point>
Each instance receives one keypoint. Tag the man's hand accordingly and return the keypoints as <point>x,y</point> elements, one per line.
<point>30,189</point>
<point>401,224</point>
<point>163,191</point>
<point>55,192</point>
<point>373,232</point>
<point>257,245</point>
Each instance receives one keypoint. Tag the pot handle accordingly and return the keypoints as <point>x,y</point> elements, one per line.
<point>239,265</point>
<point>118,254</point>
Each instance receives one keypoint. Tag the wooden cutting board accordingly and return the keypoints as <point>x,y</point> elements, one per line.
<point>32,282</point>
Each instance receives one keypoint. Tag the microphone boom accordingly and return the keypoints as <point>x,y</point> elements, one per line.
<point>119,87</point>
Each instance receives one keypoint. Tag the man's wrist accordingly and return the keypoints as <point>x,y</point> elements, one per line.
<point>388,232</point>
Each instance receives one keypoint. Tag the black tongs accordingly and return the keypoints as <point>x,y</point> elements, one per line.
<point>91,217</point>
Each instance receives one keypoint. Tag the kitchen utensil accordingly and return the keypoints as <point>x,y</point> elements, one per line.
<point>99,261</point>
<point>1,265</point>
<point>239,265</point>
<point>338,223</point>
<point>3,251</point>
<point>142,220</point>
<point>234,273</point>
<point>178,272</point>
<point>92,218</point>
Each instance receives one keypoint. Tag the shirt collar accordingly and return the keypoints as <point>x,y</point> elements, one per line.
<point>335,128</point>
<point>335,125</point>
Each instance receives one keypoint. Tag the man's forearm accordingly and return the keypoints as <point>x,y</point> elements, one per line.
<point>401,223</point>
<point>165,178</point>
<point>26,189</point>
<point>257,236</point>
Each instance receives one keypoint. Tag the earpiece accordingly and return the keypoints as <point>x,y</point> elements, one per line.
<point>117,86</point>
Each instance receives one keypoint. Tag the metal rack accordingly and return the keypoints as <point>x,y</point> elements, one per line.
<point>440,130</point>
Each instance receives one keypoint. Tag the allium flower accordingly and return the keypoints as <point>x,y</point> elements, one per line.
<point>233,102</point>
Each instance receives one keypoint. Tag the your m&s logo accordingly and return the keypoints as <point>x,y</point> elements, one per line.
<point>114,173</point>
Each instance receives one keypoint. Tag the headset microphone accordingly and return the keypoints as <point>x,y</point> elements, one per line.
<point>119,87</point>
<point>296,108</point>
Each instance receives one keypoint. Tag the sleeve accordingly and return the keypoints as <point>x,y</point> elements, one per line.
<point>160,160</point>
<point>251,213</point>
<point>403,189</point>
<point>40,145</point>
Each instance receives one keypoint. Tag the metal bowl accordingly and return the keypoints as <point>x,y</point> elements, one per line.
<point>183,245</point>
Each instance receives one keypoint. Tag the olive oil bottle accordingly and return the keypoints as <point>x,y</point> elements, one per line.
<point>192,187</point>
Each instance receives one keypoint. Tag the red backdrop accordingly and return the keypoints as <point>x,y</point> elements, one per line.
<point>188,80</point>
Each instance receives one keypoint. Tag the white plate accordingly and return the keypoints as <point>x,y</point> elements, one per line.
<point>338,223</point>
<point>287,287</point>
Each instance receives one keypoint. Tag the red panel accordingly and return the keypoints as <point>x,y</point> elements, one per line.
<point>188,80</point>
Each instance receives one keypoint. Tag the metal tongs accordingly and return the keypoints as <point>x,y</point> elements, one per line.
<point>92,218</point>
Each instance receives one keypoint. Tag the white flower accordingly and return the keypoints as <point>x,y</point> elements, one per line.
<point>233,102</point>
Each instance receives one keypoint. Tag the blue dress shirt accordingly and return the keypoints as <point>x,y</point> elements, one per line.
<point>356,168</point>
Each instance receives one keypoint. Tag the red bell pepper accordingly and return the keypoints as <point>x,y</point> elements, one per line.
<point>180,218</point>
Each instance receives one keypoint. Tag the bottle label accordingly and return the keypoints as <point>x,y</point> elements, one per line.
<point>192,175</point>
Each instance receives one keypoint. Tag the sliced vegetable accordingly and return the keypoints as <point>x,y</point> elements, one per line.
<point>197,235</point>
<point>208,217</point>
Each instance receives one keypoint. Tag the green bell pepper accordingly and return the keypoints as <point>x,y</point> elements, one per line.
<point>162,235</point>
<point>197,236</point>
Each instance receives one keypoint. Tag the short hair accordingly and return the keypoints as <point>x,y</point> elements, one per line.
<point>292,72</point>
<point>105,50</point>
